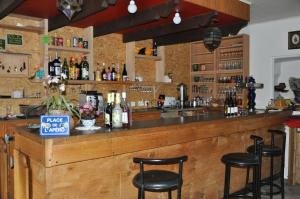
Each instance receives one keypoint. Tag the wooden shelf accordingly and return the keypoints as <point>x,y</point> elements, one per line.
<point>68,49</point>
<point>203,72</point>
<point>205,53</point>
<point>93,82</point>
<point>204,83</point>
<point>202,63</point>
<point>231,59</point>
<point>233,46</point>
<point>230,71</point>
<point>155,58</point>
<point>35,29</point>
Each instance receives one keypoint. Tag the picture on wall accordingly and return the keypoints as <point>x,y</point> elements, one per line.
<point>294,40</point>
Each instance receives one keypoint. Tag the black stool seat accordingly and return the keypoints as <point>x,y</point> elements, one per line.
<point>267,150</point>
<point>157,180</point>
<point>240,159</point>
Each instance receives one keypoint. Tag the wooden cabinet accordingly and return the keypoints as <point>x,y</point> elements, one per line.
<point>214,73</point>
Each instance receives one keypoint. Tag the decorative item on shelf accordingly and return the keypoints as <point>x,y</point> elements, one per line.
<point>88,115</point>
<point>212,38</point>
<point>56,102</point>
<point>69,7</point>
<point>195,67</point>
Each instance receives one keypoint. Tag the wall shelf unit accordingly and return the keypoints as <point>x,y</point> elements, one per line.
<point>213,73</point>
<point>69,49</point>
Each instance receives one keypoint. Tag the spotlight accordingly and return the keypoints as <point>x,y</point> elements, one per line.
<point>132,8</point>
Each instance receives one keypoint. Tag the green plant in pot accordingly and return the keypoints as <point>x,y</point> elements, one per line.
<point>56,102</point>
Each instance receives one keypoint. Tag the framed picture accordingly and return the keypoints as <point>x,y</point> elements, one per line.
<point>294,40</point>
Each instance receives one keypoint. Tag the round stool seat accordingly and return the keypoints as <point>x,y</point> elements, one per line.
<point>267,150</point>
<point>240,159</point>
<point>157,180</point>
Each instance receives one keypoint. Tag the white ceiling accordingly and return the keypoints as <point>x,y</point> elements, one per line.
<point>268,10</point>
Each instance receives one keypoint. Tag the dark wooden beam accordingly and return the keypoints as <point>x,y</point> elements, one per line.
<point>197,35</point>
<point>189,24</point>
<point>8,6</point>
<point>89,8</point>
<point>141,17</point>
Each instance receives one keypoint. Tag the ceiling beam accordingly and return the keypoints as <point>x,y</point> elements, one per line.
<point>89,8</point>
<point>189,24</point>
<point>197,35</point>
<point>141,17</point>
<point>8,6</point>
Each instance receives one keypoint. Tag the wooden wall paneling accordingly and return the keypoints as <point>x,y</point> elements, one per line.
<point>3,169</point>
<point>130,60</point>
<point>21,176</point>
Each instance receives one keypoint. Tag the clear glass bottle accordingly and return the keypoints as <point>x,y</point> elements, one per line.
<point>117,113</point>
<point>125,111</point>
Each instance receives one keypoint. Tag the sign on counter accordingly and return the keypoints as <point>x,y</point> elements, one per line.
<point>55,125</point>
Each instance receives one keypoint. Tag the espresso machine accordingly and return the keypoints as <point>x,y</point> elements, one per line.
<point>183,97</point>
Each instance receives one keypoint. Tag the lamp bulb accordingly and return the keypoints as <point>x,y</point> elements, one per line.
<point>132,8</point>
<point>177,18</point>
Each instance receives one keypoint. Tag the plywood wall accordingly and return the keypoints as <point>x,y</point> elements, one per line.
<point>107,49</point>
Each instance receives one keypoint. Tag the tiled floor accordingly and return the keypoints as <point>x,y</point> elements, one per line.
<point>291,192</point>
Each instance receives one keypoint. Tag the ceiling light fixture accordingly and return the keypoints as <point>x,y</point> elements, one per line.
<point>132,8</point>
<point>69,7</point>
<point>212,38</point>
<point>177,18</point>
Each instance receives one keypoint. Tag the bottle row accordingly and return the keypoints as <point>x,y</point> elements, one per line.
<point>224,90</point>
<point>231,65</point>
<point>117,113</point>
<point>231,104</point>
<point>230,79</point>
<point>231,54</point>
<point>203,79</point>
<point>201,89</point>
<point>75,69</point>
<point>103,73</point>
<point>75,42</point>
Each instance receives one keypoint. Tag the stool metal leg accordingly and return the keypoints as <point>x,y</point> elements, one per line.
<point>246,183</point>
<point>282,181</point>
<point>139,194</point>
<point>254,191</point>
<point>271,177</point>
<point>227,181</point>
<point>169,194</point>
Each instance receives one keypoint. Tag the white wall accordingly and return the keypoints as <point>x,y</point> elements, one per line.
<point>269,41</point>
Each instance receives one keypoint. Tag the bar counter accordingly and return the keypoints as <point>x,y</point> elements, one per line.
<point>99,164</point>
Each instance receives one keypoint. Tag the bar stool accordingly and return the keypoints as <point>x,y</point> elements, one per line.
<point>272,151</point>
<point>244,160</point>
<point>159,180</point>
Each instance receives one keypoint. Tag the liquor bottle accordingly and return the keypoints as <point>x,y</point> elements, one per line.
<point>231,105</point>
<point>113,73</point>
<point>57,66</point>
<point>125,111</point>
<point>124,73</point>
<point>51,69</point>
<point>108,111</point>
<point>77,70</point>
<point>235,106</point>
<point>117,113</point>
<point>65,69</point>
<point>71,69</point>
<point>103,73</point>
<point>226,105</point>
<point>97,74</point>
<point>85,69</point>
<point>154,46</point>
<point>108,74</point>
<point>118,75</point>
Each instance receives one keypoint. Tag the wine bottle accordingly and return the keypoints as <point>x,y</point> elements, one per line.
<point>226,105</point>
<point>65,69</point>
<point>72,69</point>
<point>108,112</point>
<point>85,69</point>
<point>235,107</point>
<point>57,66</point>
<point>118,75</point>
<point>103,73</point>
<point>124,73</point>
<point>125,111</point>
<point>154,52</point>
<point>117,113</point>
<point>113,73</point>
<point>51,69</point>
<point>108,74</point>
<point>77,70</point>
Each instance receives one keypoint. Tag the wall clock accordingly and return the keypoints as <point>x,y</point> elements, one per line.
<point>294,40</point>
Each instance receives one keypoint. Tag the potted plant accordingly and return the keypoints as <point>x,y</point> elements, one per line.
<point>56,102</point>
<point>88,115</point>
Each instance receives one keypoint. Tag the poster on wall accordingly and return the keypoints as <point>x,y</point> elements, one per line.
<point>14,39</point>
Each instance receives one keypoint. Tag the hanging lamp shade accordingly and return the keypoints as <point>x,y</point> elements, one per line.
<point>212,38</point>
<point>69,7</point>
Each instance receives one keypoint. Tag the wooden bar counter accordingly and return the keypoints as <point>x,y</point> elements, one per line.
<point>99,165</point>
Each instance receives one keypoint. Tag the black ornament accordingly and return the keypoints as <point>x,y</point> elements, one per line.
<point>212,38</point>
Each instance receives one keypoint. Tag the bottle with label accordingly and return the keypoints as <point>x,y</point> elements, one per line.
<point>77,70</point>
<point>65,69</point>
<point>108,112</point>
<point>226,105</point>
<point>85,69</point>
<point>125,111</point>
<point>124,73</point>
<point>71,69</point>
<point>103,73</point>
<point>118,75</point>
<point>51,69</point>
<point>57,66</point>
<point>117,113</point>
<point>235,106</point>
<point>154,52</point>
<point>113,73</point>
<point>230,105</point>
<point>108,74</point>
<point>97,74</point>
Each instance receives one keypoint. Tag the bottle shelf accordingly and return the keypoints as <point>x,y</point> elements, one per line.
<point>231,59</point>
<point>86,82</point>
<point>232,46</point>
<point>203,72</point>
<point>35,29</point>
<point>69,49</point>
<point>230,71</point>
<point>155,58</point>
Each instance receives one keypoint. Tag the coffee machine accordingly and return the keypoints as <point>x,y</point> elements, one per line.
<point>183,97</point>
